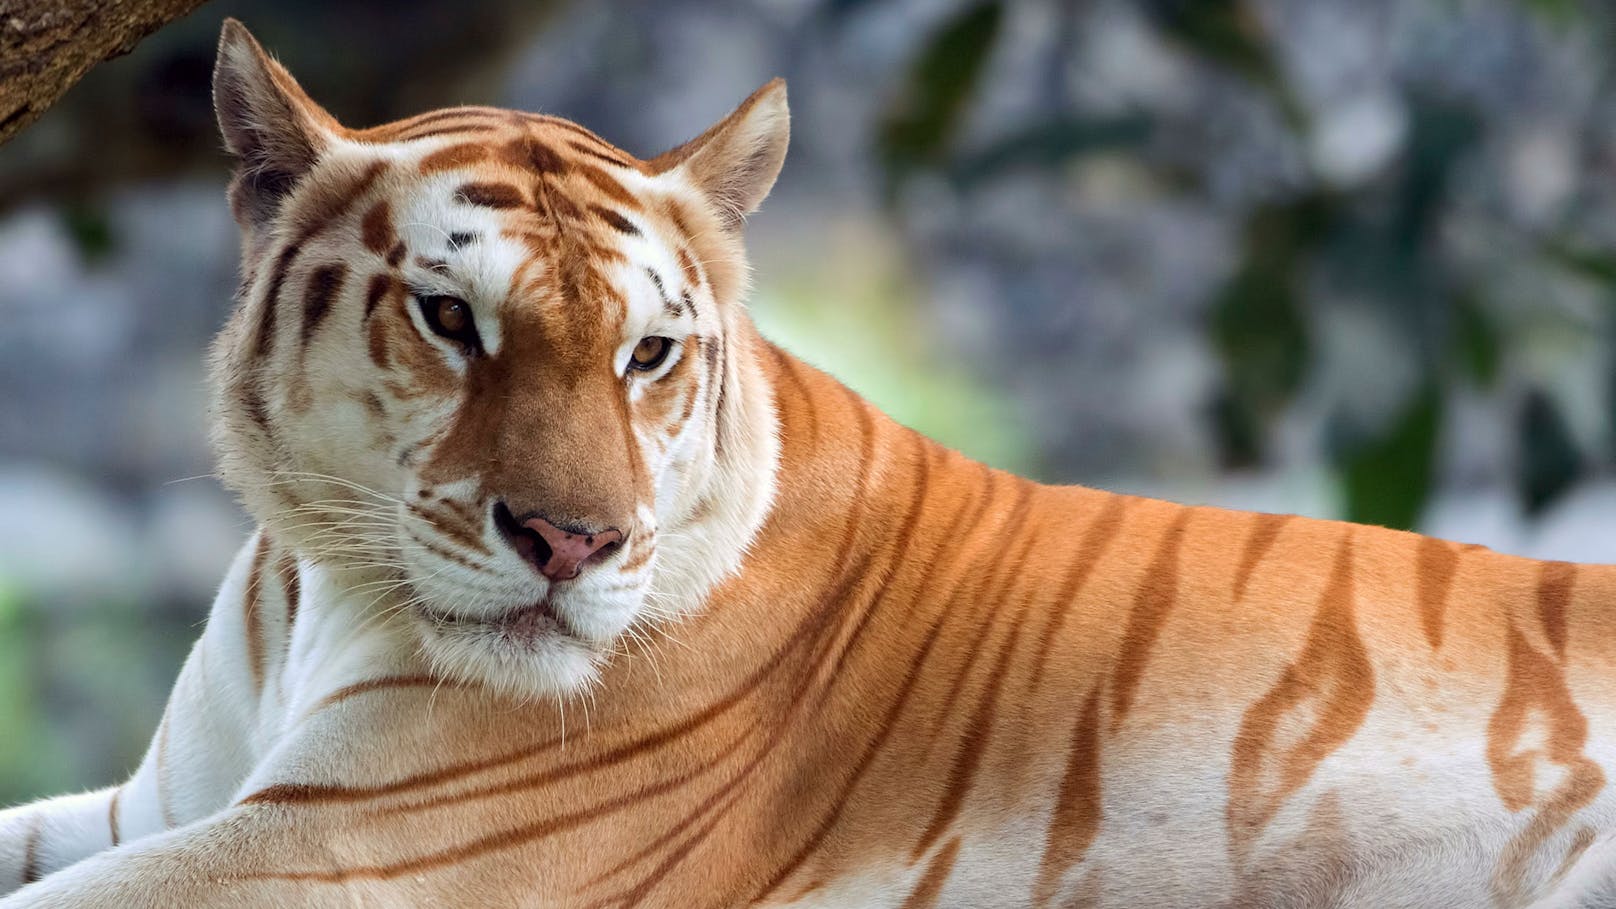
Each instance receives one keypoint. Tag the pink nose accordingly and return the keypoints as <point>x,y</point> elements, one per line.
<point>560,554</point>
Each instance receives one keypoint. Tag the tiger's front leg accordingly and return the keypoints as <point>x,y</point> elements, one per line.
<point>38,837</point>
<point>309,827</point>
<point>205,864</point>
<point>203,749</point>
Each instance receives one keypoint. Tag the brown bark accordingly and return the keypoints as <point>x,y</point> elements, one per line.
<point>47,45</point>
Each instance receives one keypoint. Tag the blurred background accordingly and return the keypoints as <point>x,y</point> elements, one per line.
<point>1342,259</point>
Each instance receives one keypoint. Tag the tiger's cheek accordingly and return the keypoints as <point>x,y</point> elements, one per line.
<point>408,367</point>
<point>664,410</point>
<point>385,298</point>
<point>406,389</point>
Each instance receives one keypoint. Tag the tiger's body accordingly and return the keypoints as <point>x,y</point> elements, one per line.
<point>851,668</point>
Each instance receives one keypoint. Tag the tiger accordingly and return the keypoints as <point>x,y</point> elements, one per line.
<point>570,589</point>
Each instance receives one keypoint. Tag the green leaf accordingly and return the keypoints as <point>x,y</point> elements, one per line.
<point>918,128</point>
<point>1229,33</point>
<point>90,231</point>
<point>1592,264</point>
<point>1443,134</point>
<point>1549,462</point>
<point>1554,12</point>
<point>1235,432</point>
<point>836,10</point>
<point>1476,348</point>
<point>1388,479</point>
<point>1258,326</point>
<point>1051,143</point>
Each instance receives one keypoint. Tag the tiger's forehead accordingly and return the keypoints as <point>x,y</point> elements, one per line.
<point>528,165</point>
<point>490,125</point>
<point>509,206</point>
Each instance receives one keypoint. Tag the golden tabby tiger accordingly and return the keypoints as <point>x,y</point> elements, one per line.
<point>572,590</point>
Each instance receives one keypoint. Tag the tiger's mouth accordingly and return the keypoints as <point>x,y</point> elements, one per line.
<point>524,625</point>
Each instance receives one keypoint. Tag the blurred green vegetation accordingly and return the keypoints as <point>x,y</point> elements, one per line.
<point>1377,244</point>
<point>105,667</point>
<point>867,328</point>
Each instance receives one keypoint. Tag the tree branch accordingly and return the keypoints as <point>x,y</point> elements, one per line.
<point>47,45</point>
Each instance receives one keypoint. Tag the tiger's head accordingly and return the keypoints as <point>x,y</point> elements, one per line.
<point>493,370</point>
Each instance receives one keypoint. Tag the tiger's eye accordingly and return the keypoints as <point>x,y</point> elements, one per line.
<point>451,317</point>
<point>649,353</point>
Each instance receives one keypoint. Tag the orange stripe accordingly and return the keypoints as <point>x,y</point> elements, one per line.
<point>291,793</point>
<point>323,286</point>
<point>291,587</point>
<point>810,411</point>
<point>888,724</point>
<point>719,800</point>
<point>445,553</point>
<point>1263,533</point>
<point>470,516</point>
<point>112,815</point>
<point>1076,819</point>
<point>980,592</point>
<point>1435,564</point>
<point>1153,603</point>
<point>608,157</point>
<point>30,851</point>
<point>492,842</point>
<point>161,772</point>
<point>486,117</point>
<point>377,229</point>
<point>454,156</point>
<point>719,808</point>
<point>898,549</point>
<point>962,775</point>
<point>1535,748</point>
<point>1553,596</point>
<point>1096,538</point>
<point>1317,704</point>
<point>931,883</point>
<point>251,615</point>
<point>490,195</point>
<point>375,291</point>
<point>446,524</point>
<point>269,305</point>
<point>330,207</point>
<point>382,684</point>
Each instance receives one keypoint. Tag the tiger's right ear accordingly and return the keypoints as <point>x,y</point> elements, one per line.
<point>275,130</point>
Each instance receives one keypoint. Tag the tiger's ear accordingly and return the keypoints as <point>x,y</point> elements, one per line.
<point>735,162</point>
<point>272,128</point>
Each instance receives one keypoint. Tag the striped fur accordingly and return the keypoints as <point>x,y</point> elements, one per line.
<point>834,664</point>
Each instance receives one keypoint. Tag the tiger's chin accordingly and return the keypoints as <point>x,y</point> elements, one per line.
<point>529,651</point>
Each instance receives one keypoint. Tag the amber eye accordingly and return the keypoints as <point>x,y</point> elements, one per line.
<point>650,353</point>
<point>451,318</point>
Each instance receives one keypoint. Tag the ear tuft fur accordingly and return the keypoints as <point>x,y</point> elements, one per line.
<point>736,161</point>
<point>272,128</point>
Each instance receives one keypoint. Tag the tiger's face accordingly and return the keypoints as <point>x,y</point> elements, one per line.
<point>488,367</point>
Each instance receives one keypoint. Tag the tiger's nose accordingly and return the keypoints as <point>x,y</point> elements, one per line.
<point>559,553</point>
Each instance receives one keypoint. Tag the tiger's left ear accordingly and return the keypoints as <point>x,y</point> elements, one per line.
<point>735,162</point>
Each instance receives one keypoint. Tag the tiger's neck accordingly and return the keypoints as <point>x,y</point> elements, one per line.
<point>838,572</point>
